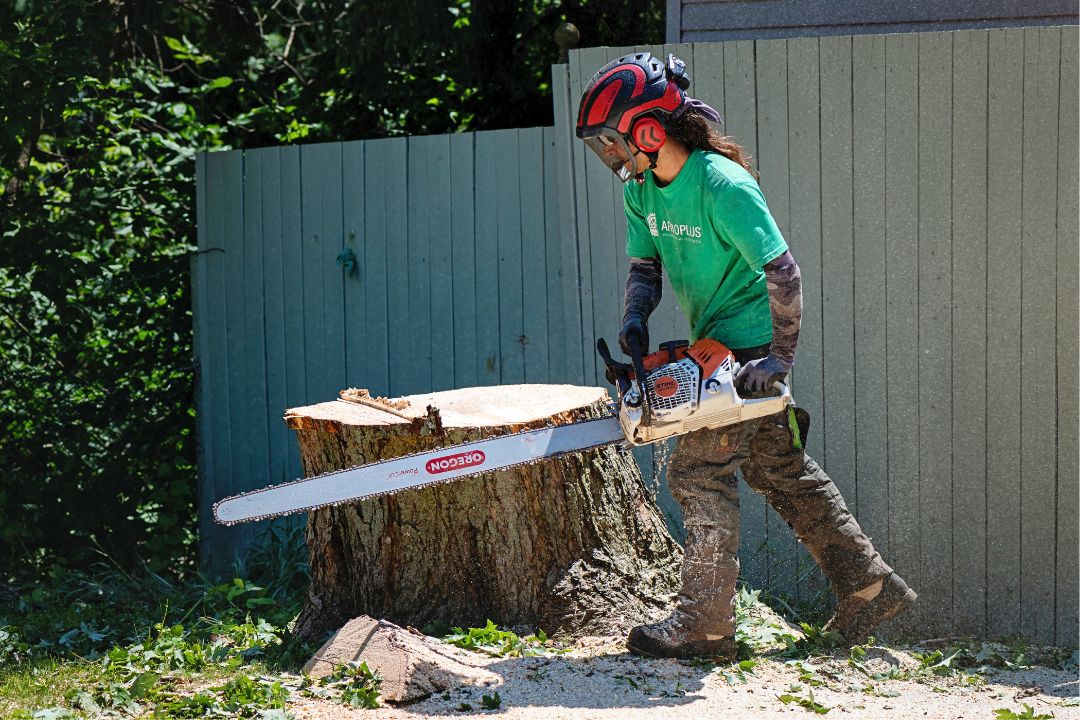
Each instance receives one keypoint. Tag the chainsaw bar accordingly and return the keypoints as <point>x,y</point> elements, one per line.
<point>418,470</point>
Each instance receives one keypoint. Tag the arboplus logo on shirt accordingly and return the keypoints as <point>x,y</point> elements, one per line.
<point>690,233</point>
<point>652,225</point>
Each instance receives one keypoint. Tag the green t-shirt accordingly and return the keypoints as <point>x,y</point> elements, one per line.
<point>713,233</point>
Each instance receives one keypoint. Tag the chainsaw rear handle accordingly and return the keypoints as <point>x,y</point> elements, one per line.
<point>777,388</point>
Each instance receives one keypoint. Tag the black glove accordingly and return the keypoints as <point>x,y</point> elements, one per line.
<point>758,375</point>
<point>634,326</point>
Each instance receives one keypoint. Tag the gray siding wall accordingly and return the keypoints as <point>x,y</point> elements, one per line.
<point>927,184</point>
<point>722,20</point>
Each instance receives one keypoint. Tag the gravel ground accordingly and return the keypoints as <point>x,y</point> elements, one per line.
<point>599,679</point>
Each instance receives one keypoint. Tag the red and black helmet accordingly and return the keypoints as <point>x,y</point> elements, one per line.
<point>631,100</point>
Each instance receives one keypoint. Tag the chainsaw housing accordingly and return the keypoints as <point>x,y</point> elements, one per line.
<point>688,388</point>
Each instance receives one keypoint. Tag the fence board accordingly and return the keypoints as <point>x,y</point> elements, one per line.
<point>379,167</point>
<point>251,431</point>
<point>463,242</point>
<point>353,197</point>
<point>324,320</point>
<point>1003,223</point>
<point>870,297</point>
<point>534,270</point>
<point>1068,325</point>
<point>487,263</point>
<point>312,252</point>
<point>969,152</point>
<point>902,306</point>
<point>333,243</point>
<point>1037,327</point>
<point>804,140</point>
<point>837,422</point>
<point>201,317</point>
<point>273,269</point>
<point>566,145</point>
<point>416,375</point>
<point>556,341</point>
<point>232,239</point>
<point>508,248</point>
<point>837,267</point>
<point>292,290</point>
<point>395,177</point>
<point>435,211</point>
<point>581,70</point>
<point>217,370</point>
<point>284,319</point>
<point>935,324</point>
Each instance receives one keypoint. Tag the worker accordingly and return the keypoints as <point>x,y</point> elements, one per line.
<point>695,211</point>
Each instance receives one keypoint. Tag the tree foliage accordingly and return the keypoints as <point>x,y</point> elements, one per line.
<point>104,105</point>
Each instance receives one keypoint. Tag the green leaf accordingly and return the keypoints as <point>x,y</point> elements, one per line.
<point>1027,714</point>
<point>174,44</point>
<point>142,684</point>
<point>221,82</point>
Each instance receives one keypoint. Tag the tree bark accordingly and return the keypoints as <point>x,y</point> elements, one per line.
<point>572,544</point>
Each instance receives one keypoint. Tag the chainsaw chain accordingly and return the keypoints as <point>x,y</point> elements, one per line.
<point>358,498</point>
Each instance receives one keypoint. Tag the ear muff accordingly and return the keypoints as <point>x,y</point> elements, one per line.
<point>648,134</point>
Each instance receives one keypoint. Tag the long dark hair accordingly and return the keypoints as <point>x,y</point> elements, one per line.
<point>693,130</point>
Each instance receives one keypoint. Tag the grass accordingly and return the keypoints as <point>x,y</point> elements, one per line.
<point>41,683</point>
<point>107,641</point>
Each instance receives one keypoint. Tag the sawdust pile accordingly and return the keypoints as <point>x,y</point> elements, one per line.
<point>364,397</point>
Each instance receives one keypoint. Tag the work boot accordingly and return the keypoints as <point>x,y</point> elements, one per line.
<point>679,636</point>
<point>860,612</point>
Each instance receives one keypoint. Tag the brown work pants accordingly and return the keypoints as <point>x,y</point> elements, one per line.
<point>702,478</point>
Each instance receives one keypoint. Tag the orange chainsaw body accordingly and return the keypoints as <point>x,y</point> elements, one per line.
<point>687,388</point>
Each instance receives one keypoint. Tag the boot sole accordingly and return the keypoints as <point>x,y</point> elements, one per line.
<point>904,602</point>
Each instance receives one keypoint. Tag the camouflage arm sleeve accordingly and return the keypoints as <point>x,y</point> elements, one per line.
<point>785,302</point>
<point>644,286</point>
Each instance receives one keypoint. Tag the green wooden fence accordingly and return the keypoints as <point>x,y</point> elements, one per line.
<point>927,184</point>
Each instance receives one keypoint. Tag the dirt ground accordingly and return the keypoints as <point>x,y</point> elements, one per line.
<point>597,678</point>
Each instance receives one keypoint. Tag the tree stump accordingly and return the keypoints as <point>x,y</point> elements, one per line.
<point>572,544</point>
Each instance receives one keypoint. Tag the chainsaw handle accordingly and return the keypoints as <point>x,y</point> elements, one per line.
<point>621,371</point>
<point>778,389</point>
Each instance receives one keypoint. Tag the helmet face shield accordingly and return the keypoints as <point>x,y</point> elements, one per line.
<point>613,149</point>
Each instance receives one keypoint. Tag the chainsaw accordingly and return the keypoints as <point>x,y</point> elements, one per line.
<point>678,389</point>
